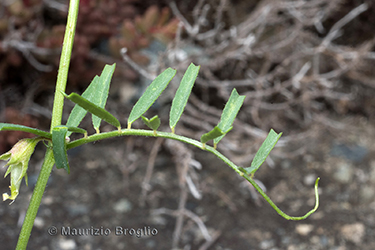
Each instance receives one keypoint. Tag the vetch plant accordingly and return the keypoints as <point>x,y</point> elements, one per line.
<point>93,100</point>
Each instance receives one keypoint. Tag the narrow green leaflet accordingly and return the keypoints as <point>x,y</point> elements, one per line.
<point>16,127</point>
<point>77,113</point>
<point>59,147</point>
<point>214,133</point>
<point>97,93</point>
<point>76,130</point>
<point>229,113</point>
<point>268,144</point>
<point>152,123</point>
<point>152,92</point>
<point>182,95</point>
<point>93,109</point>
<point>101,92</point>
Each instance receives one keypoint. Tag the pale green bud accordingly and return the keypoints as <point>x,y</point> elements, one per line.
<point>18,157</point>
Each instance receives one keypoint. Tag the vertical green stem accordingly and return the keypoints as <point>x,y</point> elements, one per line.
<point>56,120</point>
<point>35,200</point>
<point>66,53</point>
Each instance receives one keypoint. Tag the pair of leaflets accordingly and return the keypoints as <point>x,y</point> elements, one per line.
<point>227,118</point>
<point>154,91</point>
<point>92,100</point>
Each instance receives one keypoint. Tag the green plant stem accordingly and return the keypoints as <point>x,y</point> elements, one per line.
<point>141,132</point>
<point>66,53</point>
<point>35,200</point>
<point>278,210</point>
<point>56,120</point>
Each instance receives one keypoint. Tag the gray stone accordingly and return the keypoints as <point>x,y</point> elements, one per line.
<point>123,206</point>
<point>353,232</point>
<point>344,173</point>
<point>353,153</point>
<point>66,244</point>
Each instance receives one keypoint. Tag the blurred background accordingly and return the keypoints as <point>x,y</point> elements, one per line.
<point>306,68</point>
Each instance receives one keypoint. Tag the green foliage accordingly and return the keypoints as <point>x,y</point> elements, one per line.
<point>76,130</point>
<point>59,147</point>
<point>94,109</point>
<point>268,144</point>
<point>93,101</point>
<point>229,113</point>
<point>152,92</point>
<point>16,127</point>
<point>214,133</point>
<point>152,123</point>
<point>101,92</point>
<point>96,93</point>
<point>182,95</point>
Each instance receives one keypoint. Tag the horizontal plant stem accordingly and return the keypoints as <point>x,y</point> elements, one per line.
<point>133,132</point>
<point>198,144</point>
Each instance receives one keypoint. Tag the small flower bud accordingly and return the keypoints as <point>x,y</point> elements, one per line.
<point>18,157</point>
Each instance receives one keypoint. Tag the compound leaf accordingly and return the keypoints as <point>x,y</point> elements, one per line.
<point>152,92</point>
<point>182,94</point>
